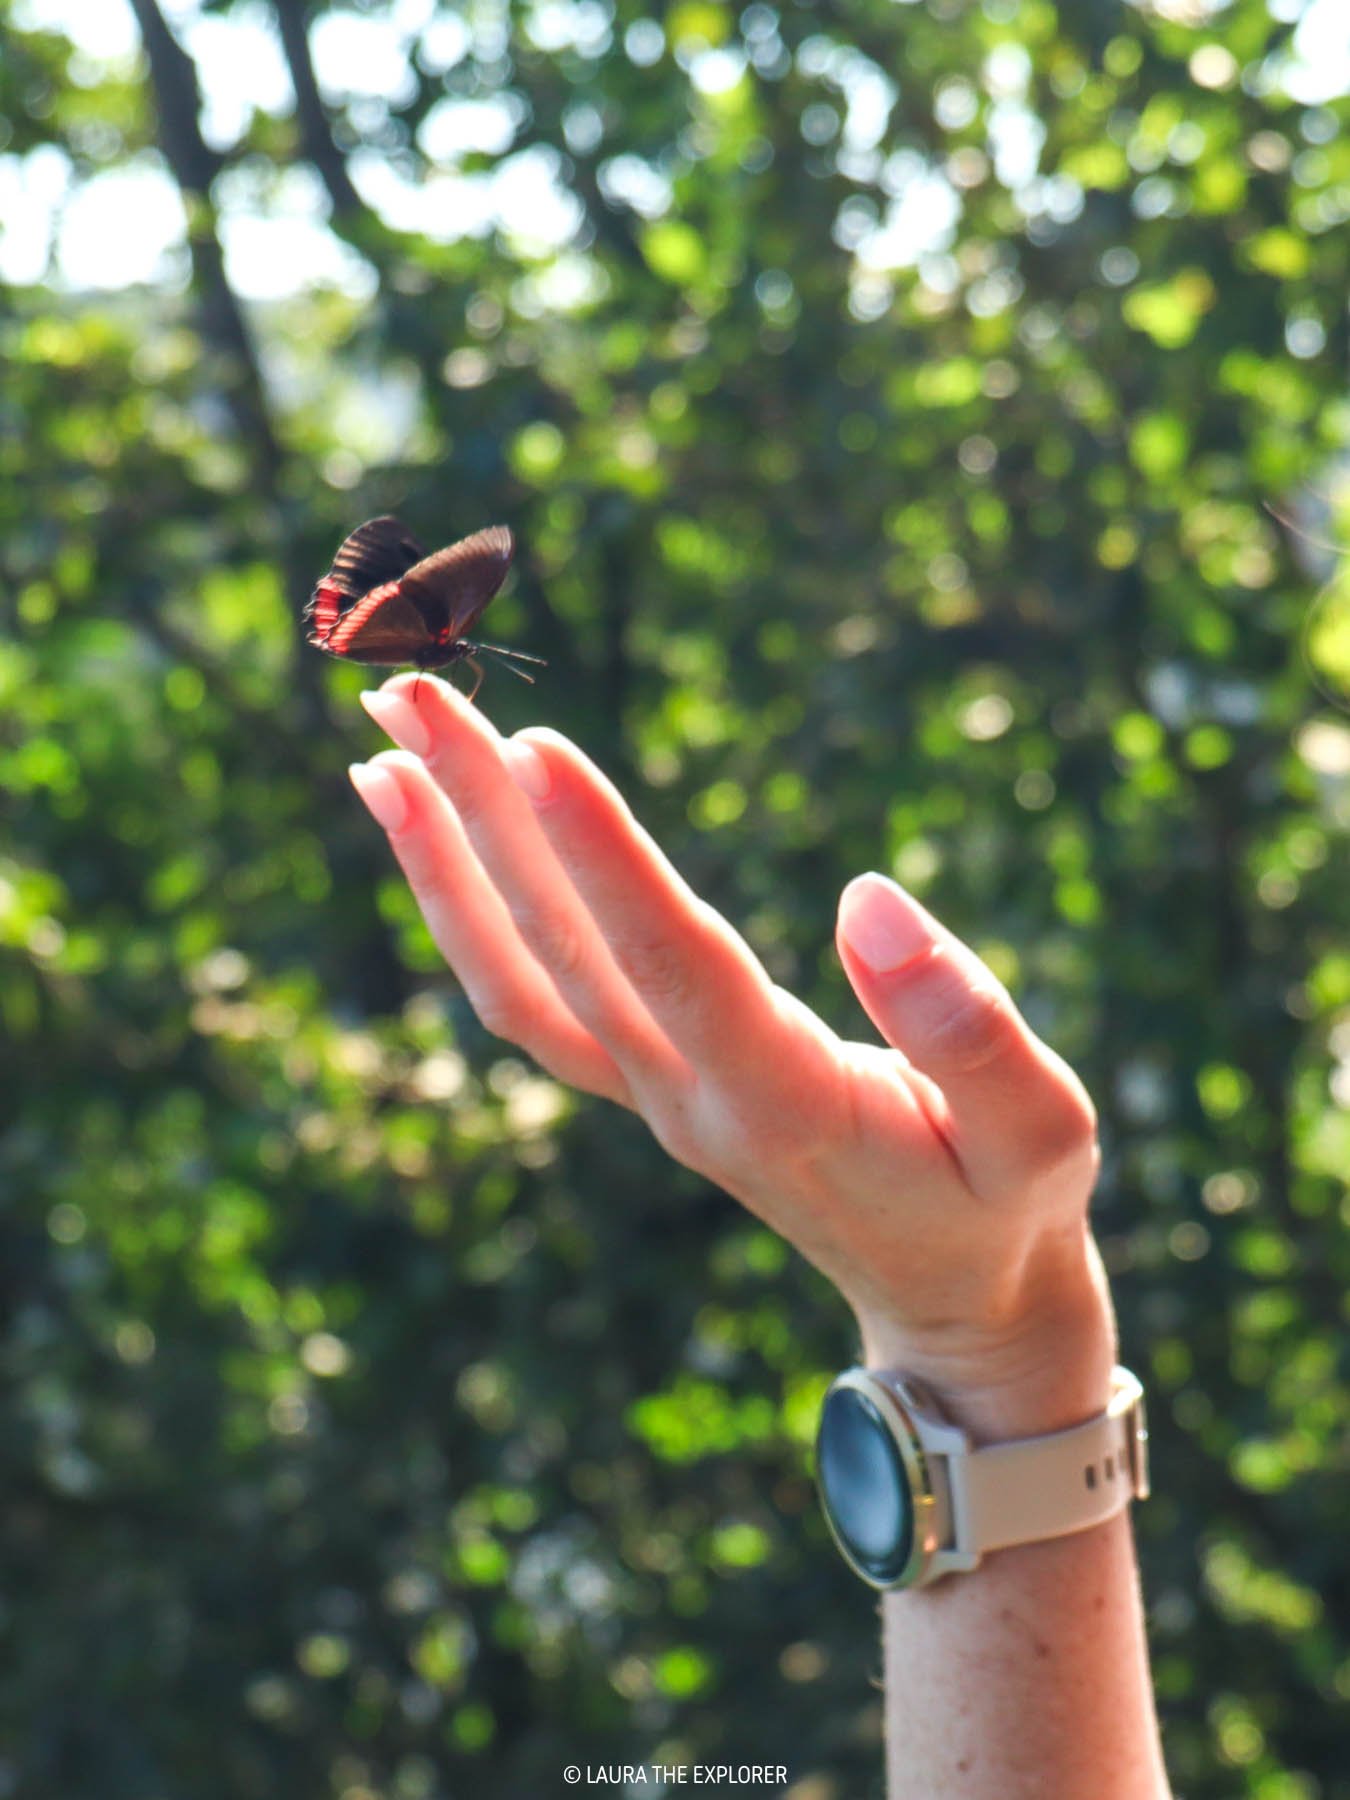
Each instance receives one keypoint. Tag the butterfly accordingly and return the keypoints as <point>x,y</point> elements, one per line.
<point>386,602</point>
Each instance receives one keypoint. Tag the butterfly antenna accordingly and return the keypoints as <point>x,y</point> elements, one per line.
<point>511,657</point>
<point>515,671</point>
<point>1292,525</point>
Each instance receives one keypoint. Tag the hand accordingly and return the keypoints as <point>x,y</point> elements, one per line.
<point>941,1184</point>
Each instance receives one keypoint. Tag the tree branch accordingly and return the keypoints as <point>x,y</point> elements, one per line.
<point>173,77</point>
<point>316,139</point>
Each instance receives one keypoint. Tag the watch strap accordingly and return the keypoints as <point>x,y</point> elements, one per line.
<point>1050,1486</point>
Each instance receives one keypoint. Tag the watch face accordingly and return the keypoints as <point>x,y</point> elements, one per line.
<point>865,1486</point>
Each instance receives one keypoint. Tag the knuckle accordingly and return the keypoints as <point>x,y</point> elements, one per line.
<point>420,865</point>
<point>677,1142</point>
<point>748,1133</point>
<point>1064,1135</point>
<point>498,1015</point>
<point>968,1027</point>
<point>553,939</point>
<point>435,912</point>
<point>468,797</point>
<point>654,966</point>
<point>674,1119</point>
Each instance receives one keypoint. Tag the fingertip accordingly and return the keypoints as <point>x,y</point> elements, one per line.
<point>569,767</point>
<point>408,681</point>
<point>882,925</point>
<point>406,688</point>
<point>855,891</point>
<point>527,768</point>
<point>395,712</point>
<point>545,736</point>
<point>401,762</point>
<point>379,789</point>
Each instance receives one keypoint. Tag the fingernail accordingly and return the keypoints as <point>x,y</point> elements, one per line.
<point>382,794</point>
<point>399,717</point>
<point>883,926</point>
<point>527,768</point>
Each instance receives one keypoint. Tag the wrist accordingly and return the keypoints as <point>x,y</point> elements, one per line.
<point>1039,1366</point>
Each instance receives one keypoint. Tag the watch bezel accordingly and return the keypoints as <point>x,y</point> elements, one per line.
<point>895,1410</point>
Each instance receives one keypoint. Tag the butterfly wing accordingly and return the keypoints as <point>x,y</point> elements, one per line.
<point>451,587</point>
<point>375,554</point>
<point>384,628</point>
<point>379,551</point>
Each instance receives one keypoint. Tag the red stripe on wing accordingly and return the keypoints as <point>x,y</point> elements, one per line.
<point>384,628</point>
<point>323,611</point>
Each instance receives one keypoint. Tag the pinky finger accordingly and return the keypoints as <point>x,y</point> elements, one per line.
<point>473,930</point>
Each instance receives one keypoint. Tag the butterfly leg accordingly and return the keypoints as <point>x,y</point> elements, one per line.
<point>478,673</point>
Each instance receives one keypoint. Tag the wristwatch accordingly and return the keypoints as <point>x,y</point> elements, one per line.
<point>909,1498</point>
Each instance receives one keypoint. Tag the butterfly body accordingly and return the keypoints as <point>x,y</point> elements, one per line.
<point>388,604</point>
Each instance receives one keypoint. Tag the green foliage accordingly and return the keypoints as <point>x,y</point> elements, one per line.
<point>382,1421</point>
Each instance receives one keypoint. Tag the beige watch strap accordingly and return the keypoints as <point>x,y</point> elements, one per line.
<point>1049,1486</point>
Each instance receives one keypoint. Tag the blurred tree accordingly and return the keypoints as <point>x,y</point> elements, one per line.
<point>888,400</point>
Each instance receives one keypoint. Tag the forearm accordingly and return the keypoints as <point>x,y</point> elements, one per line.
<point>1026,1679</point>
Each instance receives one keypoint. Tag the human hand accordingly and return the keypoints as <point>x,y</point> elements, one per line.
<point>941,1183</point>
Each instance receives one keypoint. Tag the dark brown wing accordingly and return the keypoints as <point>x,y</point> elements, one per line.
<point>384,628</point>
<point>376,552</point>
<point>452,586</point>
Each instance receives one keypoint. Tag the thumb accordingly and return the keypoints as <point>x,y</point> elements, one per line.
<point>1015,1110</point>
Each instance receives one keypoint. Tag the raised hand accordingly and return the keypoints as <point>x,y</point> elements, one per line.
<point>941,1183</point>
